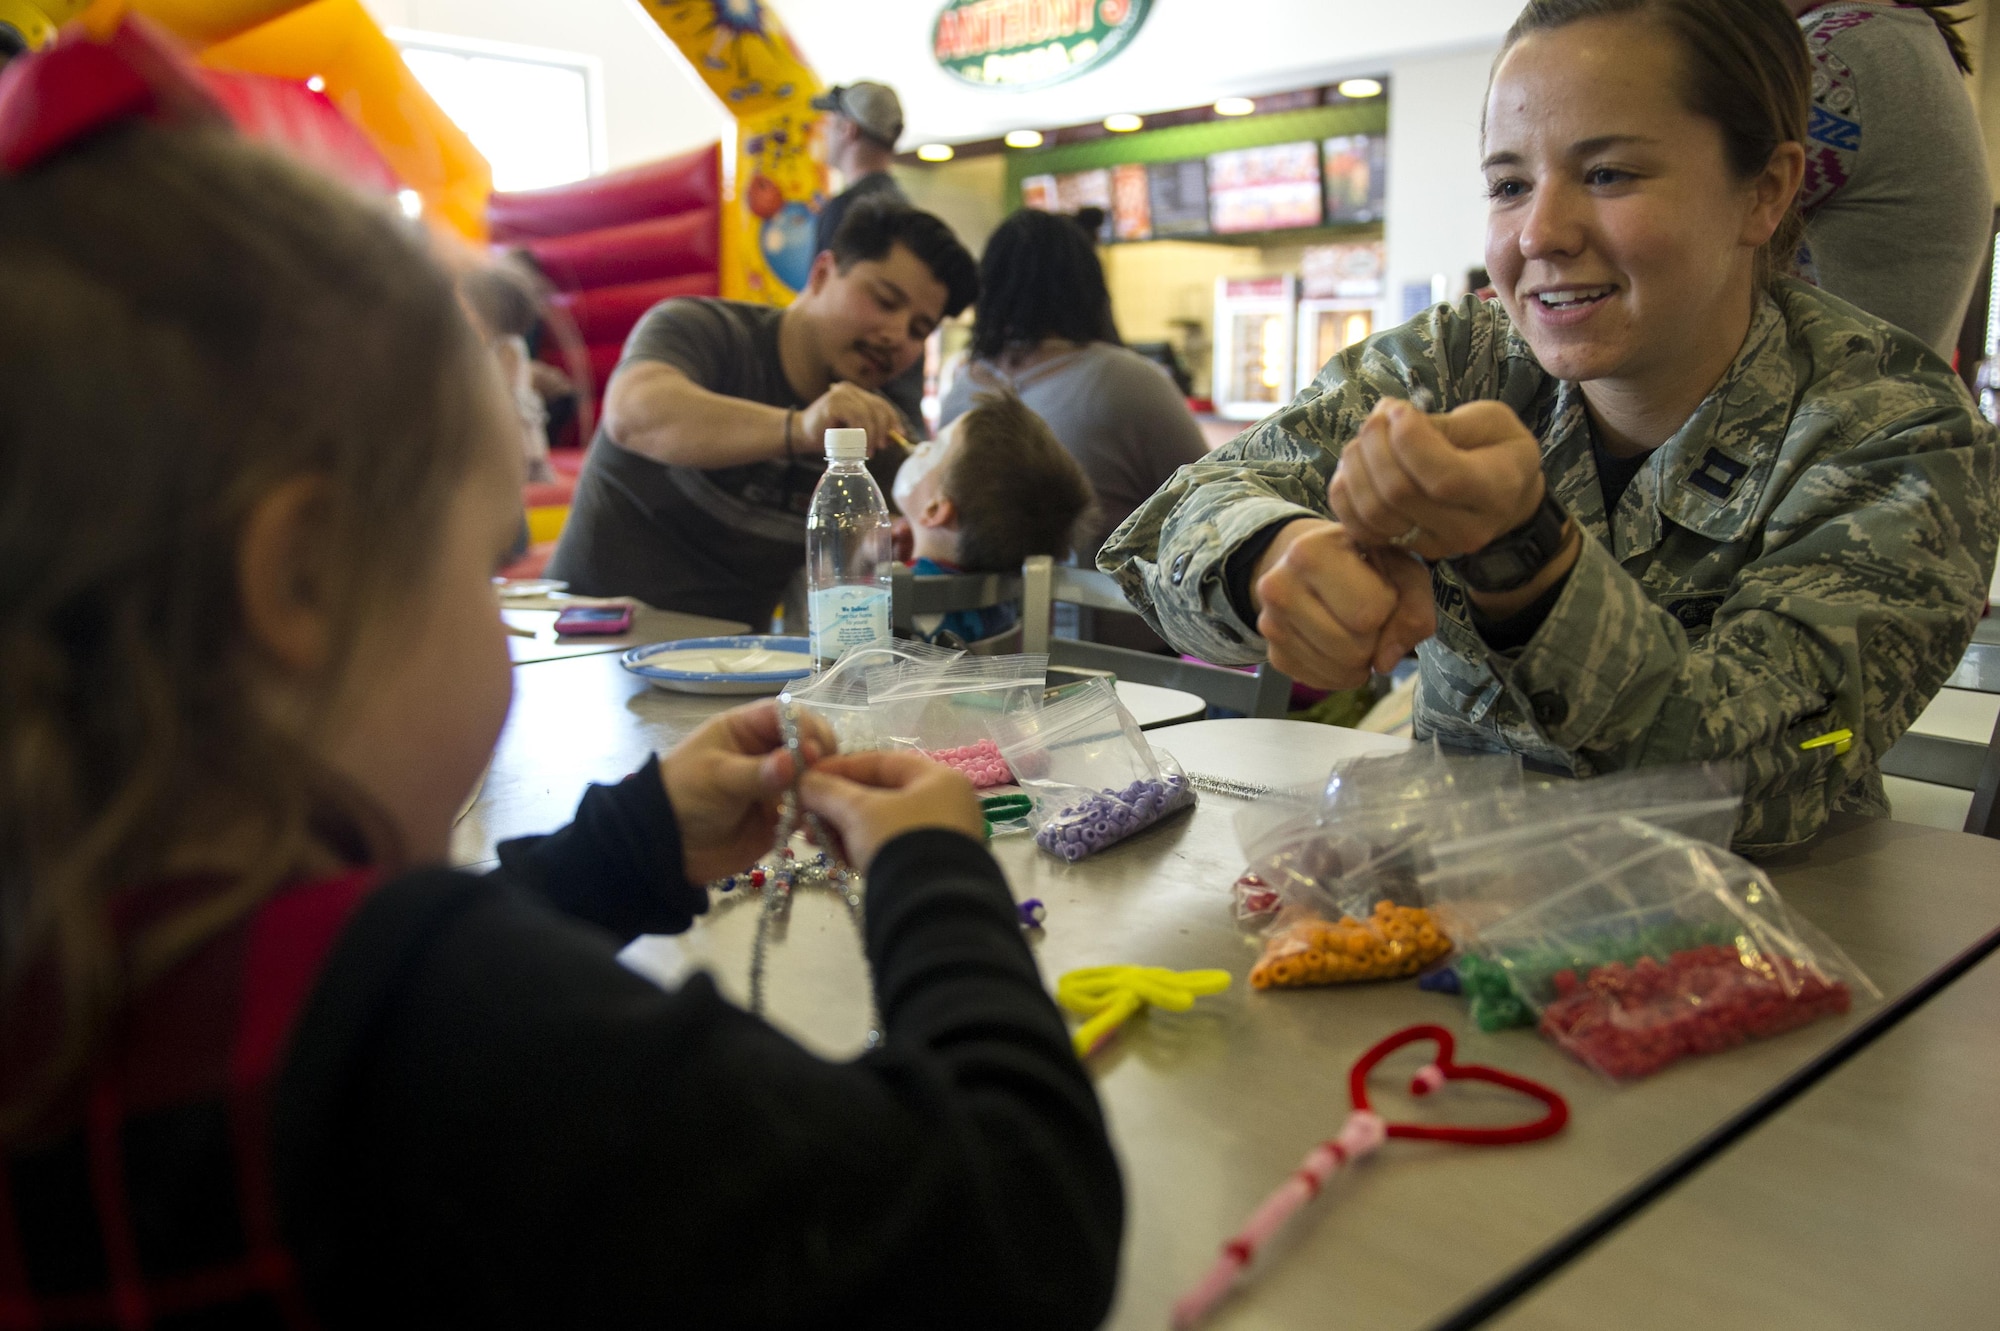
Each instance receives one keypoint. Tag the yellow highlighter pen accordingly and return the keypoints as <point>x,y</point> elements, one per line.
<point>1841,740</point>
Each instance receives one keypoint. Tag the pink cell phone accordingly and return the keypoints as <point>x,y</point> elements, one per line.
<point>594,620</point>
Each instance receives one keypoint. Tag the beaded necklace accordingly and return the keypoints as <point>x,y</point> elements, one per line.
<point>781,874</point>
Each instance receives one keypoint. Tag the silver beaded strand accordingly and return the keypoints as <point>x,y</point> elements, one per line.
<point>783,873</point>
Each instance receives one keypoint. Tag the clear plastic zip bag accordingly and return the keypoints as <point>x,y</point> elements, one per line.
<point>839,694</point>
<point>1633,946</point>
<point>1339,872</point>
<point>1698,800</point>
<point>948,710</point>
<point>1094,778</point>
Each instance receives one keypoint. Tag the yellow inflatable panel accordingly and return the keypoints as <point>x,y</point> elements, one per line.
<point>202,23</point>
<point>365,77</point>
<point>546,522</point>
<point>741,50</point>
<point>37,20</point>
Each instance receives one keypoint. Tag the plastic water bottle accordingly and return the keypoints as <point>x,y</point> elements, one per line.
<point>848,549</point>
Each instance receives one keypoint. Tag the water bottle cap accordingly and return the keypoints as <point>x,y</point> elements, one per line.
<point>847,445</point>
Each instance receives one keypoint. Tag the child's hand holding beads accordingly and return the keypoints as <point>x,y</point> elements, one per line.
<point>725,781</point>
<point>873,798</point>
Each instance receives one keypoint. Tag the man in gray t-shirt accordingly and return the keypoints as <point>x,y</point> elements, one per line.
<point>694,494</point>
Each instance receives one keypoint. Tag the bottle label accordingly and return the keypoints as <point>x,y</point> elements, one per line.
<point>846,617</point>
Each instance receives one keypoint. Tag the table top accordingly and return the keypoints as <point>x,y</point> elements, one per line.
<point>1152,706</point>
<point>1211,1109</point>
<point>648,626</point>
<point>1873,1202</point>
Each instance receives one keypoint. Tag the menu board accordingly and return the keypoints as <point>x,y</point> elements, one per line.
<point>1077,190</point>
<point>1039,193</point>
<point>1264,189</point>
<point>1357,178</point>
<point>1131,204</point>
<point>1177,198</point>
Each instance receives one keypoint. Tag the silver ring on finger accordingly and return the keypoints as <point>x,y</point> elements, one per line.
<point>1409,537</point>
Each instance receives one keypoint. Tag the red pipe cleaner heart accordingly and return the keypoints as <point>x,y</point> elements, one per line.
<point>1443,1070</point>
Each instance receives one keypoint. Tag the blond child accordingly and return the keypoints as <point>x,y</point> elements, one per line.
<point>263,1059</point>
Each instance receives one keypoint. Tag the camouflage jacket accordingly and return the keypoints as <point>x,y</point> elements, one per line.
<point>1807,553</point>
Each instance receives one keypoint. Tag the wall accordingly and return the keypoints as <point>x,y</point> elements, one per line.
<point>653,105</point>
<point>1188,52</point>
<point>1981,37</point>
<point>1437,204</point>
<point>968,193</point>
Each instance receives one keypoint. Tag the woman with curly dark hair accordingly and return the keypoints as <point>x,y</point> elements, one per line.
<point>1045,332</point>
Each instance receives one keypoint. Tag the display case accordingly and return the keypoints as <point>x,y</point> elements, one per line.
<point>1255,331</point>
<point>1327,328</point>
<point>1339,290</point>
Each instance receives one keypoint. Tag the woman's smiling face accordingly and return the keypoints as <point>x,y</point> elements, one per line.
<point>1619,240</point>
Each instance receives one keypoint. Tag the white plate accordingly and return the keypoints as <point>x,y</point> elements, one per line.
<point>513,588</point>
<point>746,664</point>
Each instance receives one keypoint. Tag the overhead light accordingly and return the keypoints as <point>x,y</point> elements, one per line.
<point>1235,106</point>
<point>1024,138</point>
<point>1359,88</point>
<point>316,83</point>
<point>1123,123</point>
<point>935,152</point>
<point>412,202</point>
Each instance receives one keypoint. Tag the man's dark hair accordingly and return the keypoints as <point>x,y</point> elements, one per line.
<point>1039,279</point>
<point>873,226</point>
<point>1017,490</point>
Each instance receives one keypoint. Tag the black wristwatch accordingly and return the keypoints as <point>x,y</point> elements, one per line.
<point>1513,560</point>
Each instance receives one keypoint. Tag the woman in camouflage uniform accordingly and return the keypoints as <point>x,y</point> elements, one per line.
<point>1675,507</point>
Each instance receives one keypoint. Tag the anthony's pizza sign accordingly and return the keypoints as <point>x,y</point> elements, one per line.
<point>1031,43</point>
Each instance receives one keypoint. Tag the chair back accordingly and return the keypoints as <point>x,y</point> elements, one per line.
<point>912,594</point>
<point>1045,583</point>
<point>1962,764</point>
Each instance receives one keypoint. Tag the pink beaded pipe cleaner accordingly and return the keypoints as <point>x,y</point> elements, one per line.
<point>1362,1134</point>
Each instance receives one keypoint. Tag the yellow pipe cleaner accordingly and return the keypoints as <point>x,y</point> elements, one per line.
<point>1110,995</point>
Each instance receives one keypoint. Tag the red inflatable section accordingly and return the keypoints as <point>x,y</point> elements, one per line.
<point>606,314</point>
<point>604,358</point>
<point>615,246</point>
<point>294,117</point>
<point>659,189</point>
<point>635,252</point>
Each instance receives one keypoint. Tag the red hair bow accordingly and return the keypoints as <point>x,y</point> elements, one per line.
<point>80,85</point>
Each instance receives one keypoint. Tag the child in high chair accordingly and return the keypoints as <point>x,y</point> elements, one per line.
<point>994,488</point>
<point>264,1061</point>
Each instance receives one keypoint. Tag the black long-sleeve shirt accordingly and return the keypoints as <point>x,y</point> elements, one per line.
<point>488,1121</point>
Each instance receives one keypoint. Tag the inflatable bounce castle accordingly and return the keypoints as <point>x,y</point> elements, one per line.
<point>321,79</point>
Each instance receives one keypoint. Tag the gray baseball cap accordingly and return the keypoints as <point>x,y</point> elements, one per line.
<point>873,106</point>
